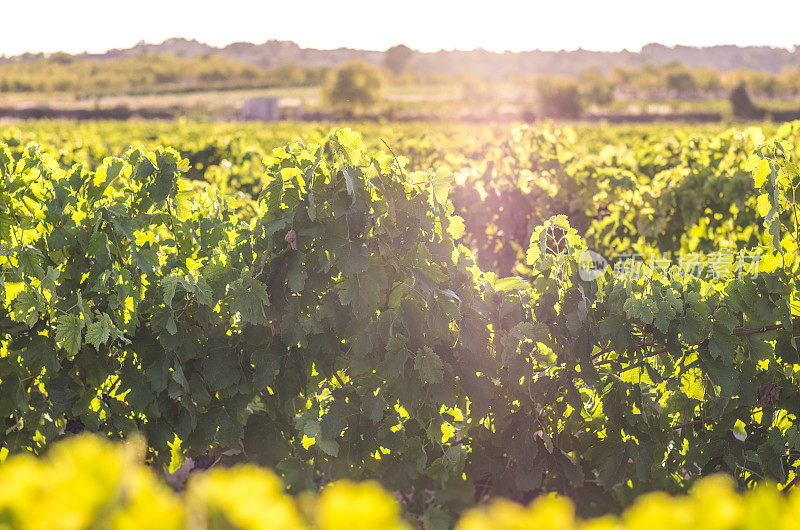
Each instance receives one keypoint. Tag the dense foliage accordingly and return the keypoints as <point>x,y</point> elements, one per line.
<point>327,322</point>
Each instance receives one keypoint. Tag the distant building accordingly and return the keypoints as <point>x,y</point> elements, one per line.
<point>262,109</point>
<point>291,109</point>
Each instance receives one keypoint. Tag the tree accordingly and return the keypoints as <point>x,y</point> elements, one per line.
<point>789,81</point>
<point>559,97</point>
<point>596,87</point>
<point>743,106</point>
<point>679,79</point>
<point>708,79</point>
<point>396,58</point>
<point>354,86</point>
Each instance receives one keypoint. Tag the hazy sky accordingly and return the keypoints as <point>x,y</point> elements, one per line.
<point>429,25</point>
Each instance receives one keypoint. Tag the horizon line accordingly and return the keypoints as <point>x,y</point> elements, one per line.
<point>498,51</point>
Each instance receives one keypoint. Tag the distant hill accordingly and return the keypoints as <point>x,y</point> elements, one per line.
<point>489,64</point>
<point>267,55</point>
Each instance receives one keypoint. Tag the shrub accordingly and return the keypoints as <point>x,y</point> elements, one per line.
<point>559,97</point>
<point>354,87</point>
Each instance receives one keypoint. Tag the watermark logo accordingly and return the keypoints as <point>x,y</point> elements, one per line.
<point>717,265</point>
<point>591,265</point>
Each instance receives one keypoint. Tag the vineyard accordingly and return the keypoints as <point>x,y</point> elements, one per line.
<point>418,327</point>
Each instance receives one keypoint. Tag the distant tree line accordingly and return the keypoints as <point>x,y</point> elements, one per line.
<point>357,86</point>
<point>702,62</point>
<point>146,74</point>
<point>561,96</point>
<point>676,81</point>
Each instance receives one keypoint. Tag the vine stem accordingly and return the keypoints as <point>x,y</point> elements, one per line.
<point>699,421</point>
<point>338,379</point>
<point>396,161</point>
<point>638,345</point>
<point>663,349</point>
<point>791,484</point>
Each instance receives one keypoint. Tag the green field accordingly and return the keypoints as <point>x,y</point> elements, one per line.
<point>463,314</point>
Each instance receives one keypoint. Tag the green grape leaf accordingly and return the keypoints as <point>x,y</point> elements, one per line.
<point>69,332</point>
<point>428,365</point>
